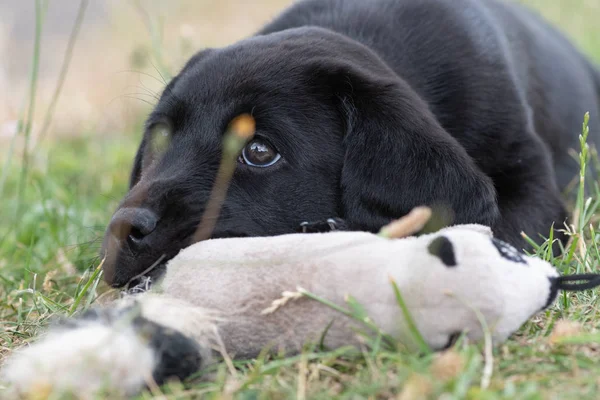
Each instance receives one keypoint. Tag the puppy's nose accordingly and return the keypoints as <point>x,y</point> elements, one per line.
<point>133,225</point>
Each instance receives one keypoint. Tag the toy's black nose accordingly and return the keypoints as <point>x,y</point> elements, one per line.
<point>133,225</point>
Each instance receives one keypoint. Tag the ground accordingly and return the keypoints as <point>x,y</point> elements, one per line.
<point>54,216</point>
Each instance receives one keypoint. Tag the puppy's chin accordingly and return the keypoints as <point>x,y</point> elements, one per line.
<point>228,234</point>
<point>146,282</point>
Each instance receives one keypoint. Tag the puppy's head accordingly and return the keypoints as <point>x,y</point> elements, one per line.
<point>331,124</point>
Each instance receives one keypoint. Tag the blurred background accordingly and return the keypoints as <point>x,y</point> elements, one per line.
<point>115,67</point>
<point>55,205</point>
<point>126,47</point>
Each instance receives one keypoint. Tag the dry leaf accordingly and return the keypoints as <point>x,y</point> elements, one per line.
<point>564,329</point>
<point>47,285</point>
<point>416,387</point>
<point>447,365</point>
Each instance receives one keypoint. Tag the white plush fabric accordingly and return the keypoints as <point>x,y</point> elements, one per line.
<point>239,278</point>
<point>222,292</point>
<point>83,361</point>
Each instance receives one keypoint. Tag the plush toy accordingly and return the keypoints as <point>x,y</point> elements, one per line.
<point>239,296</point>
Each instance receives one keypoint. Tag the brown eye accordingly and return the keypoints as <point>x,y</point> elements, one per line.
<point>259,153</point>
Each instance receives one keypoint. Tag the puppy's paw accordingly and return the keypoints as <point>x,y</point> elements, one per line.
<point>329,225</point>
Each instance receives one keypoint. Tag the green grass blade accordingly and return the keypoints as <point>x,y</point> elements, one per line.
<point>410,322</point>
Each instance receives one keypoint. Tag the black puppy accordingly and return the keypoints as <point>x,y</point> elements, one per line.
<point>364,110</point>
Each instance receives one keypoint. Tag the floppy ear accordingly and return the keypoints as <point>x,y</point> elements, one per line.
<point>397,155</point>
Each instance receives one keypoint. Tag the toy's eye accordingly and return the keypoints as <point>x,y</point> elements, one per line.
<point>259,153</point>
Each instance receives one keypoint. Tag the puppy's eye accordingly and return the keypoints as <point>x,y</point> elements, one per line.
<point>259,153</point>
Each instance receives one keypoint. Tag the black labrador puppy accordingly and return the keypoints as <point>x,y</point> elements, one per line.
<point>364,110</point>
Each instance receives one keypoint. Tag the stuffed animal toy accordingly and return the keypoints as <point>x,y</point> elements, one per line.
<point>240,296</point>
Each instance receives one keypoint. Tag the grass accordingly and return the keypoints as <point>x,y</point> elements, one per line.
<point>49,236</point>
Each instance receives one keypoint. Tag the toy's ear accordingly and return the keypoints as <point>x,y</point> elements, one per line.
<point>397,155</point>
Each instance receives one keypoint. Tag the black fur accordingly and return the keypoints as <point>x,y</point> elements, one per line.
<point>376,107</point>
